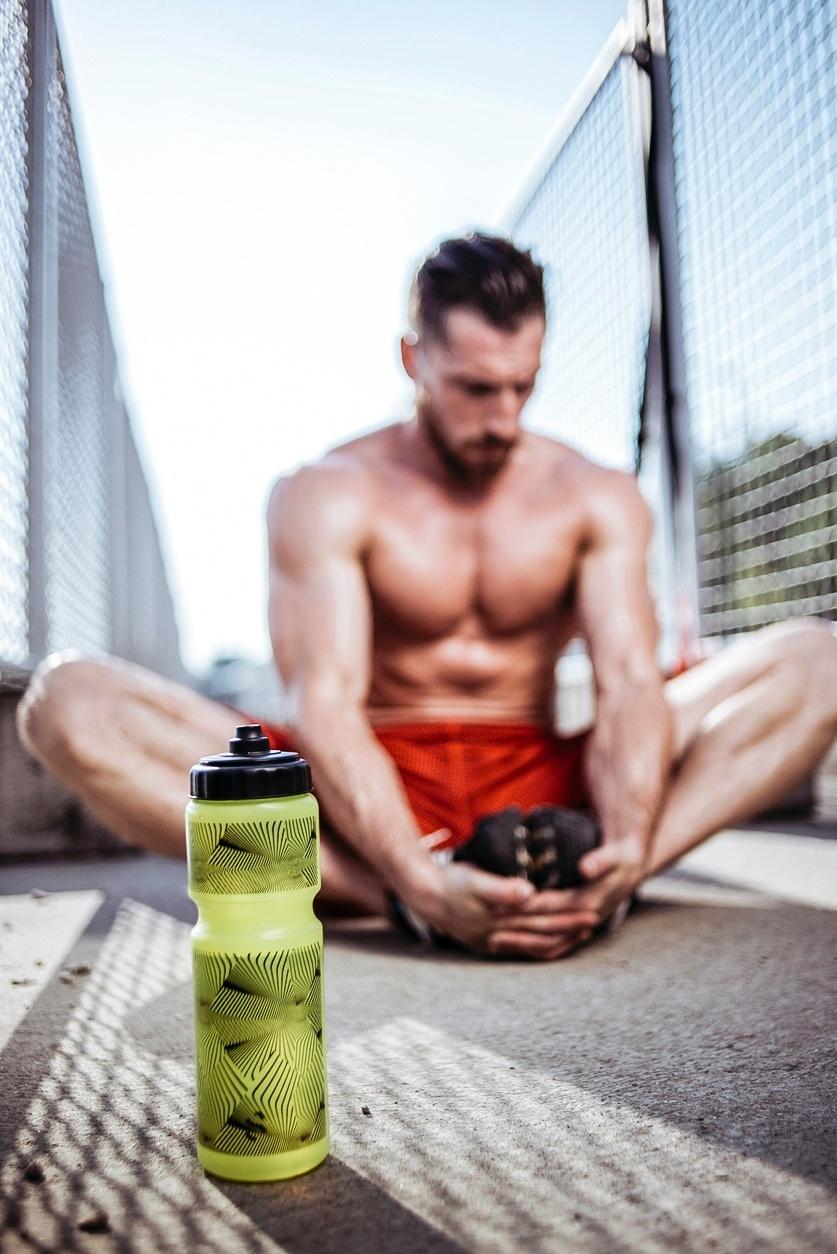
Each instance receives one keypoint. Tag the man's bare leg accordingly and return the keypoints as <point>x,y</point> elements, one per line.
<point>749,724</point>
<point>122,739</point>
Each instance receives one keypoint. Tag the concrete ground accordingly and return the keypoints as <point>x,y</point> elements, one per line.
<point>670,1088</point>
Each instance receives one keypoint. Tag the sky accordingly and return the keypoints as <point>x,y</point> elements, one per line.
<point>264,177</point>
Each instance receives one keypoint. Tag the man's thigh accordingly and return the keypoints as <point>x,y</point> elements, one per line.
<point>87,700</point>
<point>693,695</point>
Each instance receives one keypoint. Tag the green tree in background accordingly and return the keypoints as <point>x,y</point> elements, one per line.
<point>767,523</point>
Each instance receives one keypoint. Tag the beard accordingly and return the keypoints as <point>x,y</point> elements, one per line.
<point>473,461</point>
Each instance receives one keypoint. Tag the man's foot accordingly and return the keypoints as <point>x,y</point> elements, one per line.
<point>558,840</point>
<point>545,847</point>
<point>500,844</point>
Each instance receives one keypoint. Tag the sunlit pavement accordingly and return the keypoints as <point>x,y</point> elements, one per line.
<point>669,1088</point>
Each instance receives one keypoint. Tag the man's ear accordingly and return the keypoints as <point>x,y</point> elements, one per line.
<point>409,344</point>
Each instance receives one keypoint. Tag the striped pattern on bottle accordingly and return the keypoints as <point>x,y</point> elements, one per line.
<point>265,856</point>
<point>260,1060</point>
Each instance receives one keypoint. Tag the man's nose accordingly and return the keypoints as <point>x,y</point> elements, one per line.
<point>505,412</point>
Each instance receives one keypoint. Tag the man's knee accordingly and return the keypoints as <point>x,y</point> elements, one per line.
<point>806,649</point>
<point>810,641</point>
<point>68,691</point>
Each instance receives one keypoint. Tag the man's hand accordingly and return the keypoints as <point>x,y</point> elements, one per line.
<point>494,914</point>
<point>613,871</point>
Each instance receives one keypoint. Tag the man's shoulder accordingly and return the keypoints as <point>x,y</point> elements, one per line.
<point>364,449</point>
<point>615,506</point>
<point>606,496</point>
<point>563,459</point>
<point>334,494</point>
<point>346,468</point>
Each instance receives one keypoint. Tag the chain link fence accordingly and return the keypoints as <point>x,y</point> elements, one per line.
<point>744,121</point>
<point>585,216</point>
<point>75,481</point>
<point>585,220</point>
<point>14,40</point>
<point>754,101</point>
<point>80,560</point>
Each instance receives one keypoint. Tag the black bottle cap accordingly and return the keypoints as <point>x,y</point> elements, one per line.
<point>250,770</point>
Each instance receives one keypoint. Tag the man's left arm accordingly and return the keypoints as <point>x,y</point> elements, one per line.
<point>629,753</point>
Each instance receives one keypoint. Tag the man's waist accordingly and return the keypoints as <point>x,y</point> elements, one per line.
<point>535,709</point>
<point>426,724</point>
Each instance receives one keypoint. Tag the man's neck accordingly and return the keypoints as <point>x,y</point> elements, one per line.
<point>430,456</point>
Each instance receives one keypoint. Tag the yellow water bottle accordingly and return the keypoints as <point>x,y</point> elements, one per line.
<point>252,834</point>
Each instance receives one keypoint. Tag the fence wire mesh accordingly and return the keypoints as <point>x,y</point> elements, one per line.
<point>585,220</point>
<point>151,632</point>
<point>14,72</point>
<point>80,560</point>
<point>75,480</point>
<point>754,104</point>
<point>754,99</point>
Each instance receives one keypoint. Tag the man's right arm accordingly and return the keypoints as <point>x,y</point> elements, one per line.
<point>320,624</point>
<point>321,630</point>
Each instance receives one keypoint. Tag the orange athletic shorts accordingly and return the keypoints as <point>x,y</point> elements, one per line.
<point>455,773</point>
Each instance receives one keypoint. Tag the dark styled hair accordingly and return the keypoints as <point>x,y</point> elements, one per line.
<point>483,273</point>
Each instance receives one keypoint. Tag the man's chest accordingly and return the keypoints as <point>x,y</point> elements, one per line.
<point>506,566</point>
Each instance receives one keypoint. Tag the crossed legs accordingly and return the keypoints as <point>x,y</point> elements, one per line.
<point>748,725</point>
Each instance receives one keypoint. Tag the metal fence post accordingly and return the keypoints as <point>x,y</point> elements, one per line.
<point>652,461</point>
<point>43,322</point>
<point>675,434</point>
<point>116,496</point>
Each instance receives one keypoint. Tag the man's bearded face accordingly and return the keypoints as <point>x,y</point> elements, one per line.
<point>472,387</point>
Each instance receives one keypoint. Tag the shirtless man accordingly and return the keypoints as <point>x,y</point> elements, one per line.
<point>423,581</point>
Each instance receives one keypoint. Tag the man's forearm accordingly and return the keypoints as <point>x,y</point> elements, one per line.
<point>361,792</point>
<point>629,760</point>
